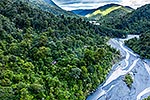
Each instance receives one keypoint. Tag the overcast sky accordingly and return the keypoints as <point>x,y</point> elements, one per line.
<point>89,4</point>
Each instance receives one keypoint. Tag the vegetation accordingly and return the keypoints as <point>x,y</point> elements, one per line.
<point>103,13</point>
<point>113,17</point>
<point>136,22</point>
<point>50,6</point>
<point>43,56</point>
<point>141,45</point>
<point>147,98</point>
<point>122,18</point>
<point>56,57</point>
<point>131,21</point>
<point>128,80</point>
<point>98,13</point>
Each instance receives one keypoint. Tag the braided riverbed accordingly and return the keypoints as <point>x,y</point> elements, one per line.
<point>114,88</point>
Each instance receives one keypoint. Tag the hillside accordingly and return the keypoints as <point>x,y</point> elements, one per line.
<point>44,56</point>
<point>102,11</point>
<point>110,19</point>
<point>141,45</point>
<point>136,22</point>
<point>132,21</point>
<point>51,3</point>
<point>50,6</point>
<point>122,18</point>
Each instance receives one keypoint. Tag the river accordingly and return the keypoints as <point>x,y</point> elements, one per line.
<point>114,88</point>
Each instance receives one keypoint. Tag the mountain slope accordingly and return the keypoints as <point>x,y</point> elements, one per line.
<point>110,19</point>
<point>50,2</point>
<point>101,11</point>
<point>136,22</point>
<point>48,57</point>
<point>50,6</point>
<point>141,45</point>
<point>107,9</point>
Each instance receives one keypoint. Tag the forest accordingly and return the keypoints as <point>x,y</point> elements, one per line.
<point>135,22</point>
<point>141,45</point>
<point>49,57</point>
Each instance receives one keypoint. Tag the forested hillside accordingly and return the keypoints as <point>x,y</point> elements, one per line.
<point>128,20</point>
<point>141,45</point>
<point>43,56</point>
<point>103,11</point>
<point>50,6</point>
<point>136,22</point>
<point>114,17</point>
<point>105,14</point>
<point>118,17</point>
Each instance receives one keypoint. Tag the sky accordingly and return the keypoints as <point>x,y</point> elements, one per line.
<point>90,4</point>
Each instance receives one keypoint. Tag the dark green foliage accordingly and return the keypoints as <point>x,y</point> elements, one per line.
<point>43,56</point>
<point>128,80</point>
<point>84,12</point>
<point>24,17</point>
<point>111,19</point>
<point>141,45</point>
<point>50,6</point>
<point>147,98</point>
<point>136,22</point>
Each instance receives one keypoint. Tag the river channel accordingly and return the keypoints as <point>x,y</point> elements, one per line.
<point>114,88</point>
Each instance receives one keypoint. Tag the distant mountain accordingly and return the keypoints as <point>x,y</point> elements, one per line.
<point>136,22</point>
<point>129,7</point>
<point>110,19</point>
<point>83,12</point>
<point>101,11</point>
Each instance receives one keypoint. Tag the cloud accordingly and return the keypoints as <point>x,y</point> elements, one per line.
<point>90,4</point>
<point>134,3</point>
<point>83,4</point>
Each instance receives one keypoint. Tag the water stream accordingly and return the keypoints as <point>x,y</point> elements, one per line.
<point>114,88</point>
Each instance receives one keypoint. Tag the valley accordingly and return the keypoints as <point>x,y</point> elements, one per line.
<point>48,53</point>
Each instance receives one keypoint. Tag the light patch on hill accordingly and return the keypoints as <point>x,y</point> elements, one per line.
<point>103,13</point>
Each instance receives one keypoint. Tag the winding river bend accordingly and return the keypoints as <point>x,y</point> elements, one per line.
<point>114,88</point>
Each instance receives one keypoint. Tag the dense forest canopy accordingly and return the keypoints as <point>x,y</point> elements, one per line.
<point>136,22</point>
<point>51,56</point>
<point>44,56</point>
<point>137,19</point>
<point>131,21</point>
<point>141,45</point>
